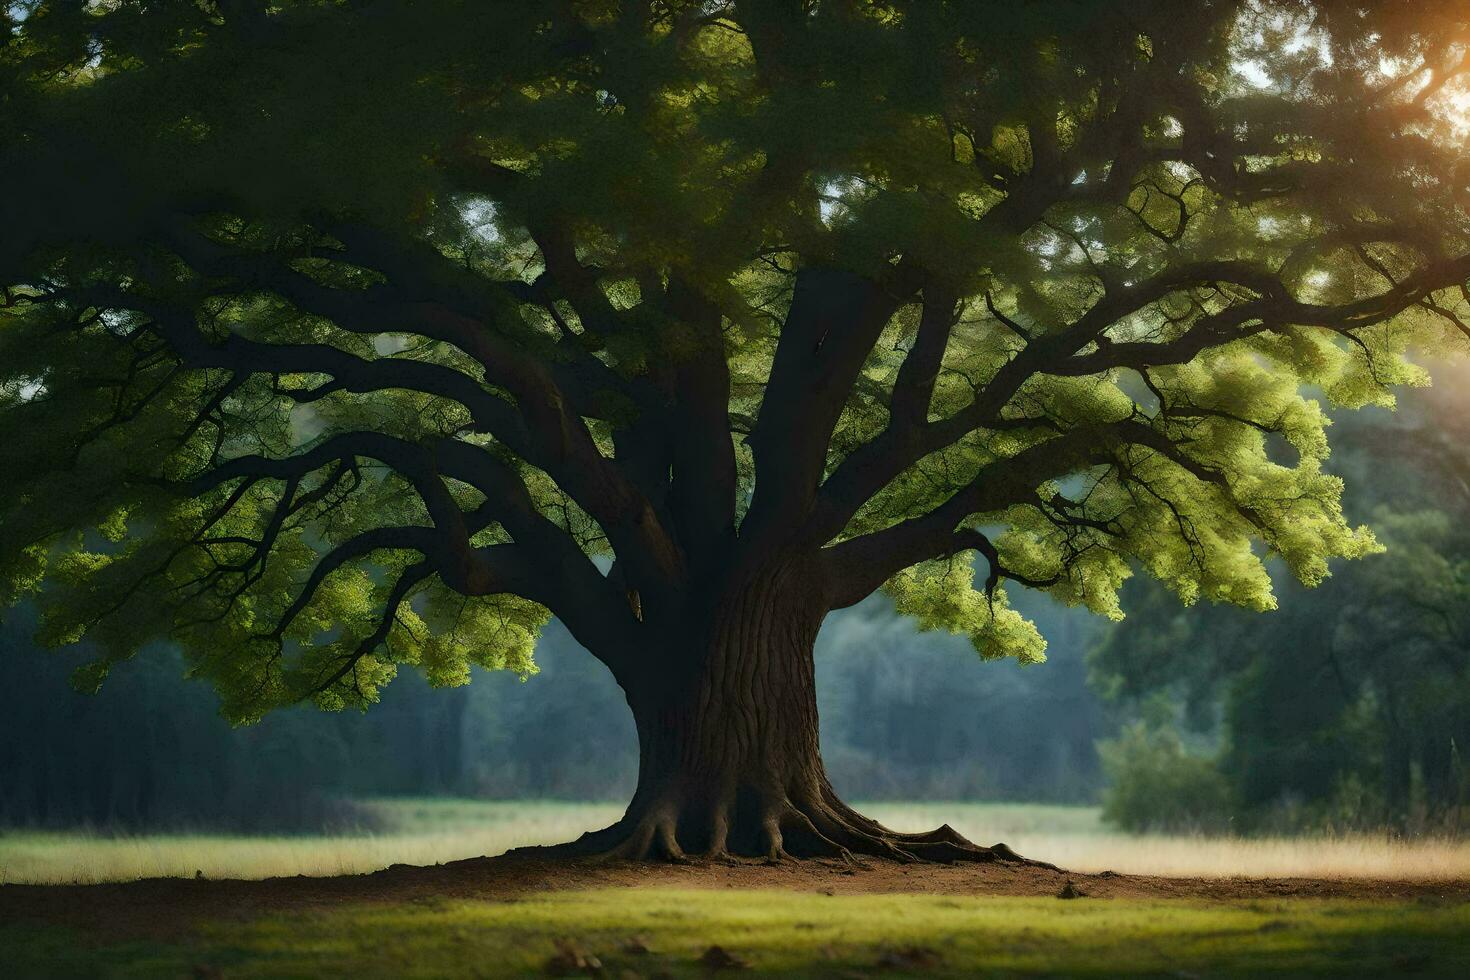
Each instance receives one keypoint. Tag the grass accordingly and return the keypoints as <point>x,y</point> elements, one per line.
<point>428,831</point>
<point>777,933</point>
<point>789,934</point>
<point>414,832</point>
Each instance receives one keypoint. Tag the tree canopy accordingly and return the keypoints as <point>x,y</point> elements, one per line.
<point>339,336</point>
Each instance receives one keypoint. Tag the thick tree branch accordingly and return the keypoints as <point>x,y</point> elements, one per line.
<point>557,573</point>
<point>860,565</point>
<point>557,440</point>
<point>914,387</point>
<point>704,478</point>
<point>834,320</point>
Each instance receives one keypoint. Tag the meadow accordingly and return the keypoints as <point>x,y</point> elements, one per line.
<point>432,831</point>
<point>670,933</point>
<point>406,925</point>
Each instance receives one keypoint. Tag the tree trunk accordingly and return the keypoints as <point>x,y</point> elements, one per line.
<point>729,760</point>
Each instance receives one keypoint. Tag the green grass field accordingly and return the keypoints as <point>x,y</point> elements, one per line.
<point>775,933</point>
<point>429,831</point>
<point>787,934</point>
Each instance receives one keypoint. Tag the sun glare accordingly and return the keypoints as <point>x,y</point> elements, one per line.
<point>1453,108</point>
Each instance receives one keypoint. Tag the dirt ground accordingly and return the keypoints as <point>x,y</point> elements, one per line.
<point>165,907</point>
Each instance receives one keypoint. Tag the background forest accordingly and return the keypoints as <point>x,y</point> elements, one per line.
<point>1347,708</point>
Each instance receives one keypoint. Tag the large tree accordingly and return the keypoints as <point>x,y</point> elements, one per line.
<point>346,335</point>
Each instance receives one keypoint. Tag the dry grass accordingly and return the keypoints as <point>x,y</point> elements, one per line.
<point>420,832</point>
<point>1362,856</point>
<point>432,831</point>
<point>1075,838</point>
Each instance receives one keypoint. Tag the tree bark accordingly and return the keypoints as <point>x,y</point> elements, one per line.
<point>730,764</point>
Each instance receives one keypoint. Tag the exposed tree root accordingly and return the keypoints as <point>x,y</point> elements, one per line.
<point>776,829</point>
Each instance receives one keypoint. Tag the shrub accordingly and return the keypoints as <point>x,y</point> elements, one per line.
<point>1157,784</point>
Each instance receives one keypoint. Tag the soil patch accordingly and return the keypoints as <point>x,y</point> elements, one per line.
<point>161,908</point>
